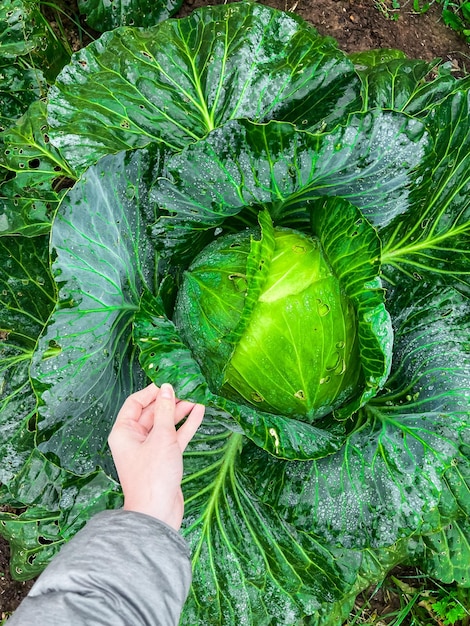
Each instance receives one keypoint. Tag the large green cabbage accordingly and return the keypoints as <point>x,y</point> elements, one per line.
<point>275,330</point>
<point>232,141</point>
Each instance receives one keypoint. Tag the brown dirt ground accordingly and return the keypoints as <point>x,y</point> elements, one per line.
<point>368,24</point>
<point>356,25</point>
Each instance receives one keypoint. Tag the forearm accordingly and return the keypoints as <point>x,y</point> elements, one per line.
<point>122,568</point>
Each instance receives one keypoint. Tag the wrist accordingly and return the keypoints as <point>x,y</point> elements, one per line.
<point>170,518</point>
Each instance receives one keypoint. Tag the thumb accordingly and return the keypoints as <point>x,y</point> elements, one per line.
<point>164,413</point>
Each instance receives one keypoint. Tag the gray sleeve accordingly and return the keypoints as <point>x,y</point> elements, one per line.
<point>123,568</point>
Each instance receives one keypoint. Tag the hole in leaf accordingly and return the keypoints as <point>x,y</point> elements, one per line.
<point>62,182</point>
<point>44,542</point>
<point>53,350</point>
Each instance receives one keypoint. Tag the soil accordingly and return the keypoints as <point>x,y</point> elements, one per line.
<point>356,25</point>
<point>365,25</point>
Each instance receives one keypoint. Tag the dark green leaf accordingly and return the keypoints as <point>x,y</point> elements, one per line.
<point>84,366</point>
<point>21,28</point>
<point>430,93</point>
<point>37,176</point>
<point>18,89</point>
<point>27,38</point>
<point>104,15</point>
<point>180,80</point>
<point>163,355</point>
<point>431,372</point>
<point>368,59</point>
<point>59,504</point>
<point>26,300</point>
<point>34,539</point>
<point>445,555</point>
<point>455,500</point>
<point>249,565</point>
<point>398,83</point>
<point>391,81</point>
<point>353,250</point>
<point>432,241</point>
<point>276,166</point>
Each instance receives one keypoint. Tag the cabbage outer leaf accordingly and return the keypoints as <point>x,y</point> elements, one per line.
<point>84,363</point>
<point>432,241</point>
<point>392,81</point>
<point>445,554</point>
<point>244,165</point>
<point>38,176</point>
<point>181,79</point>
<point>353,249</point>
<point>26,300</point>
<point>248,564</point>
<point>59,504</point>
<point>19,88</point>
<point>21,32</point>
<point>24,32</point>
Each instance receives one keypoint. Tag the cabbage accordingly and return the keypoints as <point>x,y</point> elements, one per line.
<point>282,232</point>
<point>298,353</point>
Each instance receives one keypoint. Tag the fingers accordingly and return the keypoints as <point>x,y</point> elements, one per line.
<point>159,410</point>
<point>135,404</point>
<point>183,408</point>
<point>186,432</point>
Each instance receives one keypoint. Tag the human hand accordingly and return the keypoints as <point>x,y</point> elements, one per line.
<point>148,451</point>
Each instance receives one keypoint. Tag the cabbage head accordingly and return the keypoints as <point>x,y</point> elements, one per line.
<point>297,349</point>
